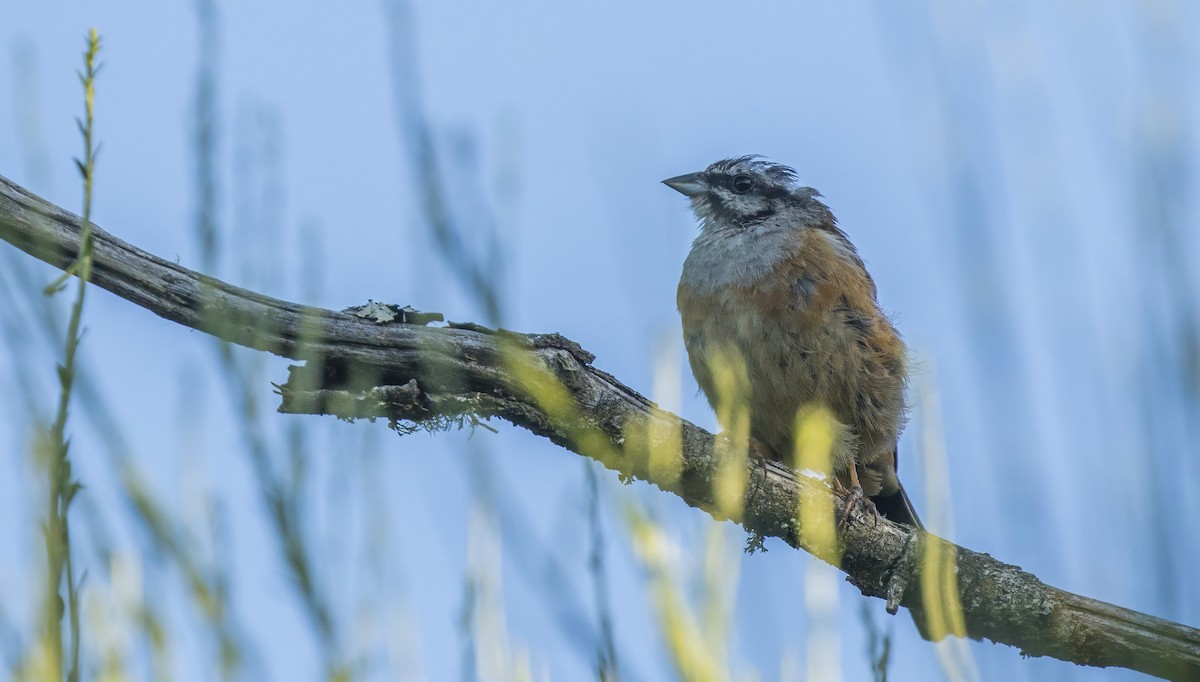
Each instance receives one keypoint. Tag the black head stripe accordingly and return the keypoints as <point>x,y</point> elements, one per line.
<point>753,164</point>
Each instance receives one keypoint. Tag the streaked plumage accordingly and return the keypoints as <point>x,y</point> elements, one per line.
<point>773,279</point>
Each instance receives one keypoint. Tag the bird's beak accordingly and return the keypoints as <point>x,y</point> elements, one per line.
<point>688,185</point>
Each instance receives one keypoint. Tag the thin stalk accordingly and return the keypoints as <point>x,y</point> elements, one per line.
<point>62,487</point>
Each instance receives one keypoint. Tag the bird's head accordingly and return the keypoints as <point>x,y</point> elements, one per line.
<point>739,193</point>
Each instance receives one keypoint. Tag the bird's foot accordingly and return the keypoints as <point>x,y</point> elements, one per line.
<point>856,500</point>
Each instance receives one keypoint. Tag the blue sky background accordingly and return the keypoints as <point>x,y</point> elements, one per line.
<point>1019,176</point>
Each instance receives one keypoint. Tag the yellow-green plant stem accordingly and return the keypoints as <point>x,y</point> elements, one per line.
<point>62,486</point>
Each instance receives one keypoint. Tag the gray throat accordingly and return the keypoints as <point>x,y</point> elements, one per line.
<point>721,258</point>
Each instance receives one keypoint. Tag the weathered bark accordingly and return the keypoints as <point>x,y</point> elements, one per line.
<point>410,373</point>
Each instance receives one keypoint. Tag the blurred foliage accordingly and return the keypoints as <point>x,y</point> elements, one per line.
<point>132,605</point>
<point>696,630</point>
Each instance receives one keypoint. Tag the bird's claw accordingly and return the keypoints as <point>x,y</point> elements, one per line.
<point>855,499</point>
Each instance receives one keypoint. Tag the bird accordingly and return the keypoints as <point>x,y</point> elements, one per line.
<point>772,281</point>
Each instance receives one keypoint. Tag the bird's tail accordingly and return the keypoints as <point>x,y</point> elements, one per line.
<point>898,508</point>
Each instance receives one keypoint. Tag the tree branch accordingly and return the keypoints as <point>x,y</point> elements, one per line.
<point>356,367</point>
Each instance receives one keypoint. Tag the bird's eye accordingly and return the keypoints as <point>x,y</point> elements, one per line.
<point>742,184</point>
